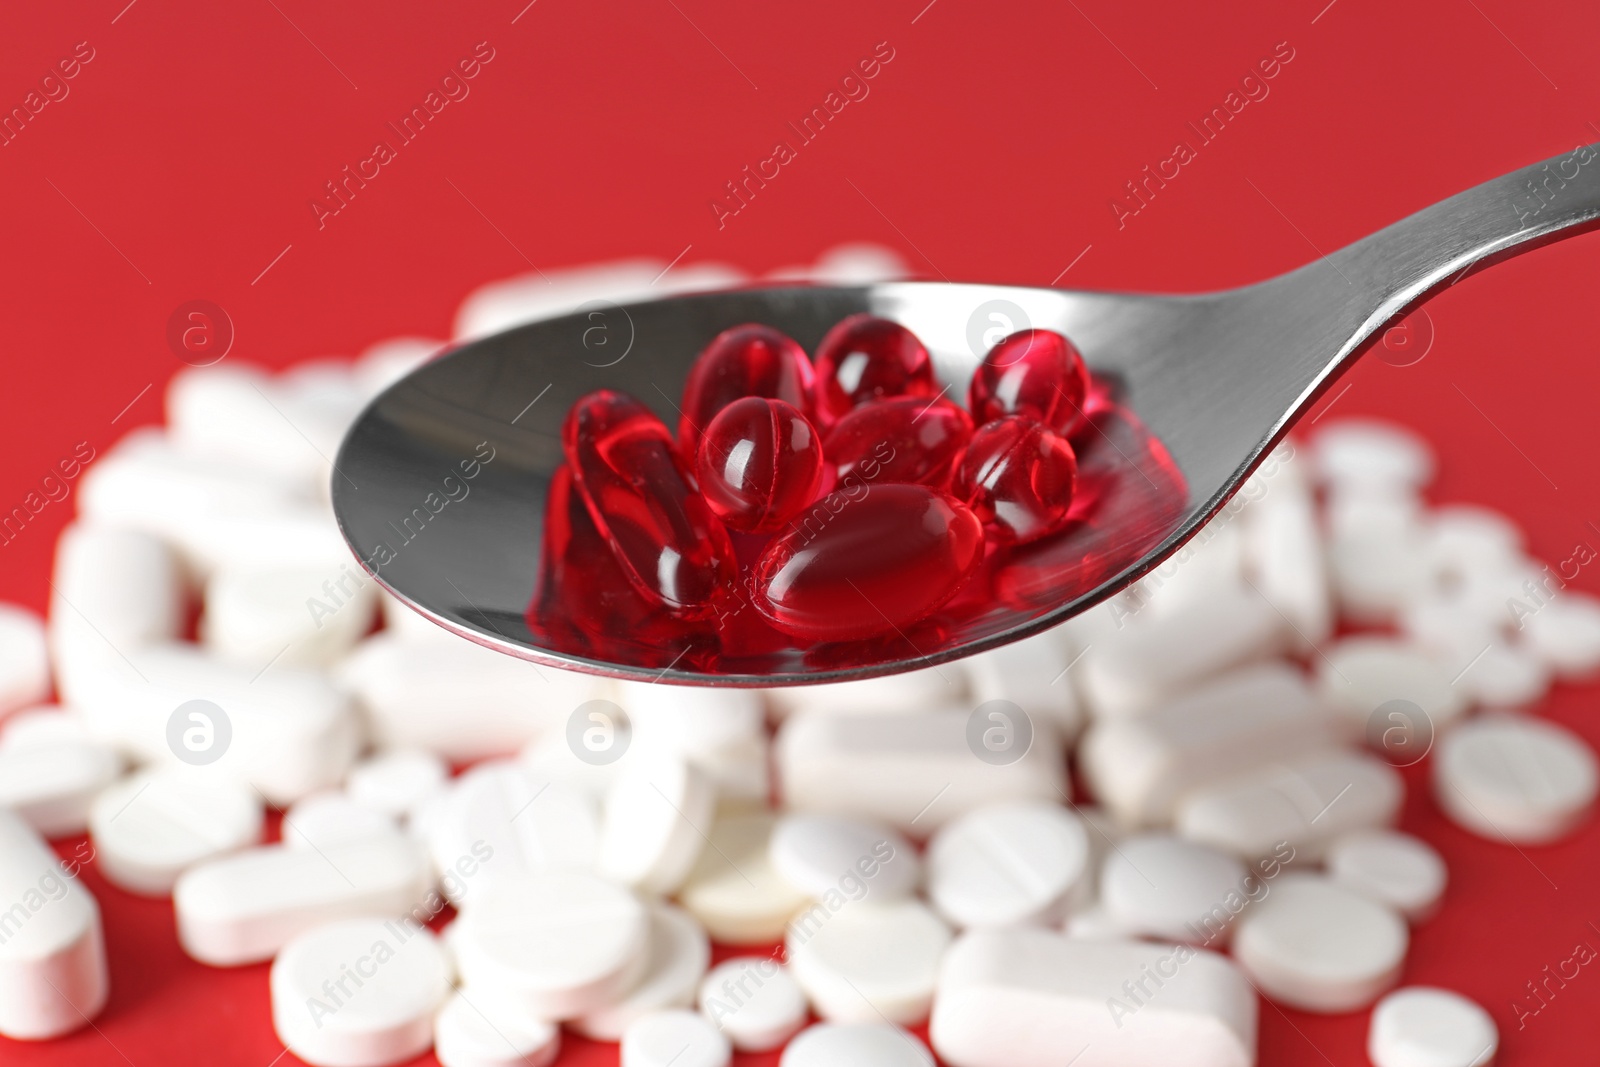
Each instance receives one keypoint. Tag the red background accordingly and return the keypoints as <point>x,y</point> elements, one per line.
<point>184,159</point>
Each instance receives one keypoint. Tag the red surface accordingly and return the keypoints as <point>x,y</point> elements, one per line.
<point>991,144</point>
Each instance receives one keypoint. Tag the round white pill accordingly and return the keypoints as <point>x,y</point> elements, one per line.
<point>755,1001</point>
<point>733,889</point>
<point>1393,868</point>
<point>1500,675</point>
<point>837,854</point>
<point>855,1045</point>
<point>397,782</point>
<point>1465,537</point>
<point>1515,778</point>
<point>324,820</point>
<point>657,813</point>
<point>152,826</point>
<point>1315,945</point>
<point>1007,864</point>
<point>679,954</point>
<point>556,945</point>
<point>1361,674</point>
<point>674,1039</point>
<point>1371,453</point>
<point>868,962</point>
<point>1565,633</point>
<point>52,784</point>
<point>475,1031</point>
<point>1420,1026</point>
<point>1157,885</point>
<point>24,661</point>
<point>359,993</point>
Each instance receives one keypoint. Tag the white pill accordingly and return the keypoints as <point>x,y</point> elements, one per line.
<point>1031,673</point>
<point>1502,675</point>
<point>867,962</point>
<point>1369,452</point>
<point>1094,923</point>
<point>529,825</point>
<point>1313,944</point>
<point>674,1039</point>
<point>1140,767</point>
<point>754,1001</point>
<point>52,959</point>
<point>678,955</point>
<point>1565,633</point>
<point>1286,558</point>
<point>24,659</point>
<point>1378,557</point>
<point>923,690</point>
<point>1465,537</point>
<point>42,726</point>
<point>1359,675</point>
<point>1396,869</point>
<point>551,758</point>
<point>151,827</point>
<point>1008,864</point>
<point>53,783</point>
<point>323,820</point>
<point>116,586</point>
<point>243,908</point>
<point>915,772</point>
<point>1210,565</point>
<point>309,615</point>
<point>556,945</point>
<point>855,1045</point>
<point>397,782</point>
<point>657,814</point>
<point>817,853</point>
<point>720,731</point>
<point>359,992</point>
<point>477,1031</point>
<point>733,889</point>
<point>1141,666</point>
<point>238,412</point>
<point>1514,778</point>
<point>1026,997</point>
<point>1294,808</point>
<point>1420,1026</point>
<point>1154,885</point>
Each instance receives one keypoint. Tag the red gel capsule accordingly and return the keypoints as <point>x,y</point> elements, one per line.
<point>866,358</point>
<point>907,439</point>
<point>1037,374</point>
<point>866,564</point>
<point>748,360</point>
<point>760,464</point>
<point>644,504</point>
<point>1019,478</point>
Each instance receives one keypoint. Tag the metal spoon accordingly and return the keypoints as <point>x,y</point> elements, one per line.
<point>440,486</point>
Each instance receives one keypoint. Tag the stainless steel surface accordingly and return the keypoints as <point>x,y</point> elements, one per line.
<point>1218,377</point>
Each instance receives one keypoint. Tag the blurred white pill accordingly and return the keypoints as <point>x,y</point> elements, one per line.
<point>1209,566</point>
<point>754,1001</point>
<point>244,907</point>
<point>1397,869</point>
<point>675,1038</point>
<point>556,945</point>
<point>1515,778</point>
<point>1377,555</point>
<point>870,1044</point>
<point>44,725</point>
<point>52,783</point>
<point>1285,555</point>
<point>657,813</point>
<point>1156,885</point>
<point>1008,864</point>
<point>323,820</point>
<point>52,958</point>
<point>1313,944</point>
<point>397,782</point>
<point>1370,452</point>
<point>1504,675</point>
<point>114,586</point>
<point>289,615</point>
<point>1420,1026</point>
<point>1359,675</point>
<point>24,659</point>
<point>152,826</point>
<point>359,992</point>
<point>1031,673</point>
<point>473,1030</point>
<point>1565,633</point>
<point>817,854</point>
<point>1466,537</point>
<point>721,731</point>
<point>733,888</point>
<point>866,961</point>
<point>679,954</point>
<point>929,689</point>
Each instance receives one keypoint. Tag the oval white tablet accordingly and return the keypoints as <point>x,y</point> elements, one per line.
<point>855,1045</point>
<point>113,585</point>
<point>822,854</point>
<point>733,889</point>
<point>1420,1026</point>
<point>24,661</point>
<point>1360,674</point>
<point>865,962</point>
<point>556,945</point>
<point>1501,675</point>
<point>397,782</point>
<point>1396,869</point>
<point>678,955</point>
<point>1515,778</point>
<point>753,1000</point>
<point>52,784</point>
<point>1156,885</point>
<point>1008,864</point>
<point>1370,452</point>
<point>1313,944</point>
<point>474,1030</point>
<point>657,813</point>
<point>1565,633</point>
<point>359,993</point>
<point>323,820</point>
<point>152,826</point>
<point>674,1039</point>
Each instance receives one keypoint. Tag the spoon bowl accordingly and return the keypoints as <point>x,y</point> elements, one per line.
<point>441,486</point>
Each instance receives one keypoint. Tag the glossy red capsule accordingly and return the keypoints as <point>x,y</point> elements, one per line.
<point>748,360</point>
<point>1037,374</point>
<point>866,358</point>
<point>1018,478</point>
<point>760,464</point>
<point>868,563</point>
<point>906,439</point>
<point>644,504</point>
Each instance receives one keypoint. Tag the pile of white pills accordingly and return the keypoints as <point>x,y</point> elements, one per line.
<point>476,855</point>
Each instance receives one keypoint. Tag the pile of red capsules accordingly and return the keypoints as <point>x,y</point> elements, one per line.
<point>843,500</point>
